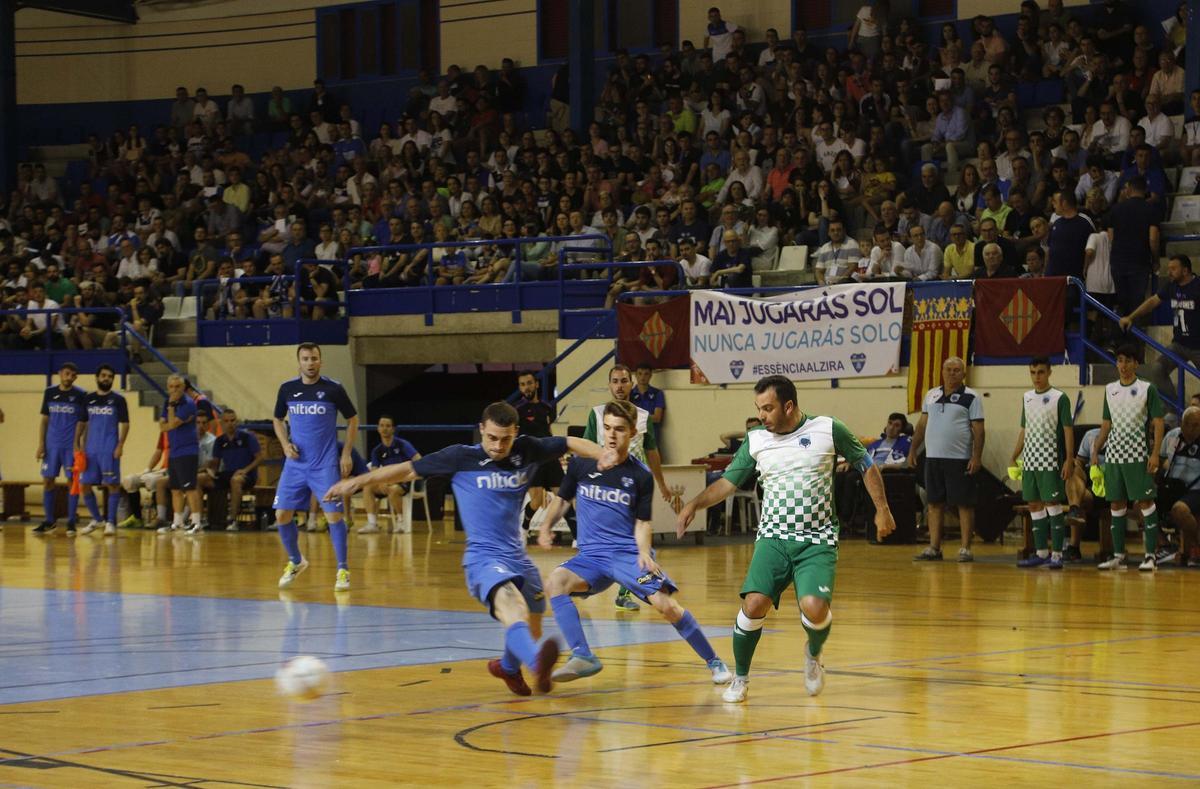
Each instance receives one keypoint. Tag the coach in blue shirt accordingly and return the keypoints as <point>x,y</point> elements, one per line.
<point>646,396</point>
<point>952,422</point>
<point>390,450</point>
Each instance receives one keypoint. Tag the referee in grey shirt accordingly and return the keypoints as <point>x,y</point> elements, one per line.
<point>952,421</point>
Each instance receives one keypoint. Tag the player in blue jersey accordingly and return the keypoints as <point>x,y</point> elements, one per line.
<point>178,421</point>
<point>106,425</point>
<point>489,481</point>
<point>58,438</point>
<point>390,450</point>
<point>310,405</point>
<point>613,512</point>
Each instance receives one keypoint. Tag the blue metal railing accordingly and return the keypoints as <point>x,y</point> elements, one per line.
<point>511,283</point>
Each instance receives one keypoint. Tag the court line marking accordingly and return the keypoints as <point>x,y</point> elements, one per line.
<point>1063,677</point>
<point>153,779</point>
<point>984,753</point>
<point>778,737</point>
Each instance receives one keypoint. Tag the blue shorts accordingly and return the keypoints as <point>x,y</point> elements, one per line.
<point>485,573</point>
<point>602,570</point>
<point>102,469</point>
<point>58,459</point>
<point>298,483</point>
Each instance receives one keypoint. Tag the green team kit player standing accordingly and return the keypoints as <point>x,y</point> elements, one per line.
<point>795,454</point>
<point>1044,448</point>
<point>1130,404</point>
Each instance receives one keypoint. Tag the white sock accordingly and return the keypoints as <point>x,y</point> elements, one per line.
<point>195,519</point>
<point>162,512</point>
<point>177,520</point>
<point>372,520</point>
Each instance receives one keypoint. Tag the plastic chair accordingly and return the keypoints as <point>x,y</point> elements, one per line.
<point>417,491</point>
<point>746,500</point>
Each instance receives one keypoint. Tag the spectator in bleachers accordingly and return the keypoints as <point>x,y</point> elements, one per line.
<point>1068,239</point>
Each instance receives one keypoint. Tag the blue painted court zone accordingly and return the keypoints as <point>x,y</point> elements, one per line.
<point>62,644</point>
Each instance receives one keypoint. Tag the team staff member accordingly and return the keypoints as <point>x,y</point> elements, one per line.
<point>239,453</point>
<point>951,428</point>
<point>183,464</point>
<point>390,450</point>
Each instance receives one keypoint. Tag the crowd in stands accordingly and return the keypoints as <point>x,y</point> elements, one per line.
<point>887,157</point>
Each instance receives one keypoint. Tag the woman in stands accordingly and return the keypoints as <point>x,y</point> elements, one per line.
<point>966,194</point>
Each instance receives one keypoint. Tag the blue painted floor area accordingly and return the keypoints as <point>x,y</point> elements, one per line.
<point>59,644</point>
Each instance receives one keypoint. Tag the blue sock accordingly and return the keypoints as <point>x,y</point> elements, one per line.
<point>89,500</point>
<point>337,535</point>
<point>72,506</point>
<point>48,503</point>
<point>567,617</point>
<point>689,628</point>
<point>289,535</point>
<point>509,662</point>
<point>519,641</point>
<point>114,504</point>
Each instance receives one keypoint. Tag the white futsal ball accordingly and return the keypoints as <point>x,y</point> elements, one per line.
<point>303,678</point>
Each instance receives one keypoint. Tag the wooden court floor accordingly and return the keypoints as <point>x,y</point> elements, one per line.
<point>144,661</point>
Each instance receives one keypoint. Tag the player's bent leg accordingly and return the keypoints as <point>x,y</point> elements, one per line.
<point>561,583</point>
<point>509,607</point>
<point>289,535</point>
<point>689,630</point>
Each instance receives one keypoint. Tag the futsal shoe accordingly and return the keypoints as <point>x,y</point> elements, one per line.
<point>720,672</point>
<point>232,526</point>
<point>1072,555</point>
<point>625,601</point>
<point>547,657</point>
<point>110,530</point>
<point>1117,562</point>
<point>342,584</point>
<point>1055,563</point>
<point>515,682</point>
<point>291,571</point>
<point>578,667</point>
<point>736,692</point>
<point>965,555</point>
<point>1033,560</point>
<point>132,522</point>
<point>91,527</point>
<point>166,528</point>
<point>1166,555</point>
<point>195,528</point>
<point>1149,564</point>
<point>370,528</point>
<point>47,527</point>
<point>814,674</point>
<point>70,528</point>
<point>930,554</point>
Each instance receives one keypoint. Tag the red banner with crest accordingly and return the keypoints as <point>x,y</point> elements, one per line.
<point>657,334</point>
<point>1020,317</point>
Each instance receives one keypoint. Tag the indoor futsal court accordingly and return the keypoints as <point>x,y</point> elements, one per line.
<point>147,661</point>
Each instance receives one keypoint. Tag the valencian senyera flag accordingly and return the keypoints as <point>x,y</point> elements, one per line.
<point>941,328</point>
<point>656,335</point>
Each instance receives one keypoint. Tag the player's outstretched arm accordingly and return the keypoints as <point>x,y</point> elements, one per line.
<point>605,458</point>
<point>554,512</point>
<point>385,475</point>
<point>644,535</point>
<point>715,493</point>
<point>885,524</point>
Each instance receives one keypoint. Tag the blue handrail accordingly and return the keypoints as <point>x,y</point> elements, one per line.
<point>513,282</point>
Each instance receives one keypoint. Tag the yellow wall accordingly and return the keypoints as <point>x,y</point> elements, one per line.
<point>21,399</point>
<point>971,8</point>
<point>248,378</point>
<point>476,34</point>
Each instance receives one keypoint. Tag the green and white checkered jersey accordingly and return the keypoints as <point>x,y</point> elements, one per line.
<point>797,477</point>
<point>1130,409</point>
<point>641,443</point>
<point>1044,415</point>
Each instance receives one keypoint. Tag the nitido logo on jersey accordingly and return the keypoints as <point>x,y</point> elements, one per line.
<point>308,409</point>
<point>609,495</point>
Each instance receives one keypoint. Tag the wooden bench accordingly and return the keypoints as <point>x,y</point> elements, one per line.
<point>14,499</point>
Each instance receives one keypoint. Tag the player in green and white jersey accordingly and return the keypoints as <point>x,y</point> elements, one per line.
<point>795,454</point>
<point>1131,405</point>
<point>1044,446</point>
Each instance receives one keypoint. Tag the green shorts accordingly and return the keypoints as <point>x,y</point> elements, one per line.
<point>1129,482</point>
<point>778,564</point>
<point>1044,486</point>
